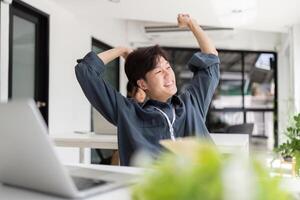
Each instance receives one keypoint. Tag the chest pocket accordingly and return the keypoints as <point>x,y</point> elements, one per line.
<point>152,123</point>
<point>153,130</point>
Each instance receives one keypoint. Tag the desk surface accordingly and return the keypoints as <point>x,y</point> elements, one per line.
<point>86,140</point>
<point>226,143</point>
<point>11,193</point>
<point>110,141</point>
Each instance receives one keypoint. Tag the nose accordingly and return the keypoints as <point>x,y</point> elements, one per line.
<point>167,73</point>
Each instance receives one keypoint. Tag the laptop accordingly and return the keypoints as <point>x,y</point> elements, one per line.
<point>28,158</point>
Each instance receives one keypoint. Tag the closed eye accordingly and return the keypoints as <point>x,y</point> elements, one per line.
<point>157,72</point>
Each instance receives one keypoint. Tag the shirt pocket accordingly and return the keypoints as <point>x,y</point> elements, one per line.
<point>152,123</point>
<point>152,127</point>
<point>153,133</point>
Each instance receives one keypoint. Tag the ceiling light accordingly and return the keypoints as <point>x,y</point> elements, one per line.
<point>235,12</point>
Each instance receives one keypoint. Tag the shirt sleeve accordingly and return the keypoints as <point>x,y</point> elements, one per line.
<point>102,96</point>
<point>205,80</point>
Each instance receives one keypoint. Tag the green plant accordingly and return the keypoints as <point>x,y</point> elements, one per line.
<point>201,177</point>
<point>292,145</point>
<point>175,177</point>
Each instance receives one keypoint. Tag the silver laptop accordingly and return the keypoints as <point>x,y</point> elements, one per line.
<point>28,158</point>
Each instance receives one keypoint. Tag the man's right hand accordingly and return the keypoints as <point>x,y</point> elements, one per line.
<point>183,20</point>
<point>205,44</point>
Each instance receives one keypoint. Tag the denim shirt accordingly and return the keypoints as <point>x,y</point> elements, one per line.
<point>141,126</point>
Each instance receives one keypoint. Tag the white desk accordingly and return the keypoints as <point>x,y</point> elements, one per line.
<point>10,193</point>
<point>87,140</point>
<point>227,143</point>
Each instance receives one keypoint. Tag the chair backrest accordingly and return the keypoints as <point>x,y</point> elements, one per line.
<point>246,128</point>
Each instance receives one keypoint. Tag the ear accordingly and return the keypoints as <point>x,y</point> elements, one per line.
<point>142,84</point>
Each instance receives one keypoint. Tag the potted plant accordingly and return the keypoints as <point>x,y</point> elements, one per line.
<point>291,148</point>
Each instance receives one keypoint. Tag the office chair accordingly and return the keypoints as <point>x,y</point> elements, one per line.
<point>246,128</point>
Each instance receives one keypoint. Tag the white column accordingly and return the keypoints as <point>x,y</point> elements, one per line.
<point>295,46</point>
<point>285,84</point>
<point>288,79</point>
<point>4,49</point>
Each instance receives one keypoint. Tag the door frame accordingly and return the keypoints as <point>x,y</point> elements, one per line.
<point>41,19</point>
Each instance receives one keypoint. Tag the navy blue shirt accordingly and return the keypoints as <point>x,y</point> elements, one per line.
<point>141,126</point>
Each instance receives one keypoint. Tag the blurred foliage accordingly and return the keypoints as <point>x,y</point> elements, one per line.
<point>292,145</point>
<point>175,177</point>
<point>268,188</point>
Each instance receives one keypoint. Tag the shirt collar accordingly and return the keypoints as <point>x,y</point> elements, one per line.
<point>172,100</point>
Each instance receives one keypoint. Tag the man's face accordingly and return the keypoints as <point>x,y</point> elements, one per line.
<point>159,83</point>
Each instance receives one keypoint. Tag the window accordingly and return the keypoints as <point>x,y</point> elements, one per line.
<point>98,123</point>
<point>246,92</point>
<point>112,70</point>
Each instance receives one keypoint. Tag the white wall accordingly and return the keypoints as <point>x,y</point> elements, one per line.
<point>288,78</point>
<point>285,85</point>
<point>70,39</point>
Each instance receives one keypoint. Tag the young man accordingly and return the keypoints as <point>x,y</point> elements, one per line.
<point>164,115</point>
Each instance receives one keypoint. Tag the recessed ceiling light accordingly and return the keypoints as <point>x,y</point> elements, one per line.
<point>236,11</point>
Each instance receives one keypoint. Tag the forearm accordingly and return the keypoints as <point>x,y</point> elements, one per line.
<point>205,80</point>
<point>111,54</point>
<point>205,43</point>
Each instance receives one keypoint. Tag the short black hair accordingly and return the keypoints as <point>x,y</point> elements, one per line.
<point>141,61</point>
<point>131,89</point>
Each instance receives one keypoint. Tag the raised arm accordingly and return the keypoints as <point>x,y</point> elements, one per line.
<point>114,53</point>
<point>101,95</point>
<point>204,64</point>
<point>205,44</point>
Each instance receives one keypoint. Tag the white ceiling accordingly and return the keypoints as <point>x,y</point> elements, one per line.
<point>264,15</point>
